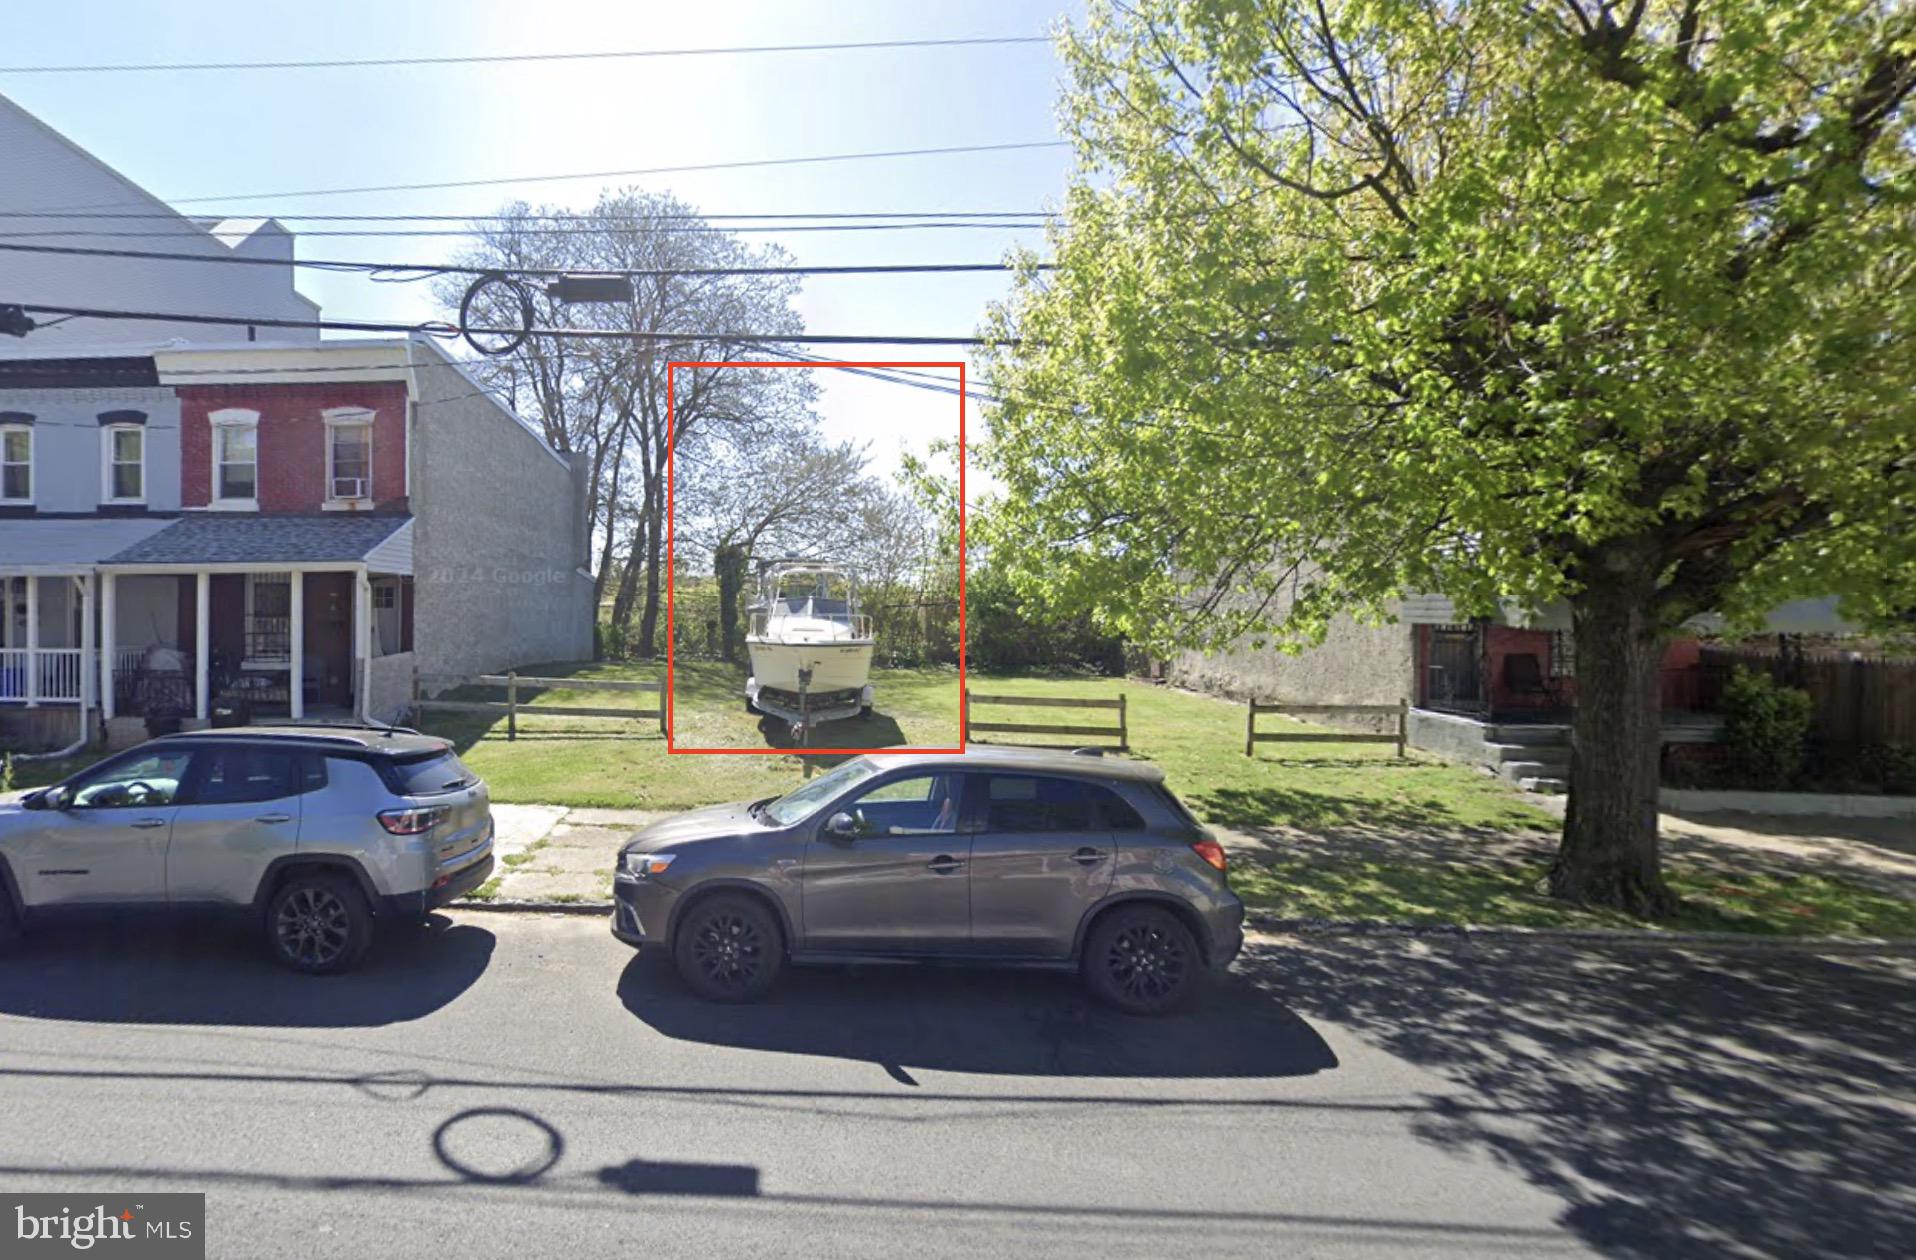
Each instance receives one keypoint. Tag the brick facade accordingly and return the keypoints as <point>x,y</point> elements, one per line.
<point>292,441</point>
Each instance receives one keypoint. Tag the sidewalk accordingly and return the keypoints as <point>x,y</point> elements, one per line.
<point>558,854</point>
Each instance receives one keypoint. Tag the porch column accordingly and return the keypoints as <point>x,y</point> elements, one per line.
<point>363,640</point>
<point>108,647</point>
<point>87,676</point>
<point>296,649</point>
<point>202,641</point>
<point>6,610</point>
<point>33,641</point>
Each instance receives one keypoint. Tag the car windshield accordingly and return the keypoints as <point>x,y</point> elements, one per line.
<point>793,806</point>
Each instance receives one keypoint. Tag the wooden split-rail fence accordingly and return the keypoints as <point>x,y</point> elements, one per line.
<point>1119,732</point>
<point>1253,737</point>
<point>512,707</point>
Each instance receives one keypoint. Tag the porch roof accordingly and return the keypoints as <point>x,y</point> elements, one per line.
<point>266,541</point>
<point>70,545</point>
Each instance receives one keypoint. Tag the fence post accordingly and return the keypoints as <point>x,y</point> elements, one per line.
<point>512,705</point>
<point>964,716</point>
<point>1250,727</point>
<point>1124,726</point>
<point>664,731</point>
<point>1403,724</point>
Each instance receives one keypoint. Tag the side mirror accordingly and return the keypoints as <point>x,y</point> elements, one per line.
<point>56,797</point>
<point>842,825</point>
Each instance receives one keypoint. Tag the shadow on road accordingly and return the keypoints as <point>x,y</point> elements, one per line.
<point>1680,1104</point>
<point>151,971</point>
<point>1013,1023</point>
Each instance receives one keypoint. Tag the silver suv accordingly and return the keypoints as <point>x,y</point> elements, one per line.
<point>997,855</point>
<point>317,829</point>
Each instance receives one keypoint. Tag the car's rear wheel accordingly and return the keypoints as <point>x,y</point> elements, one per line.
<point>318,923</point>
<point>1142,960</point>
<point>728,948</point>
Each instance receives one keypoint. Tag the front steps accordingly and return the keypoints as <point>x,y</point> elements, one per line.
<point>1535,757</point>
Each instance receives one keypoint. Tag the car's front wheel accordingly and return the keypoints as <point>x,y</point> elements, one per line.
<point>10,930</point>
<point>728,948</point>
<point>318,923</point>
<point>1142,960</point>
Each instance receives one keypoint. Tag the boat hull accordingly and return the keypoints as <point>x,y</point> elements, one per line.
<point>838,666</point>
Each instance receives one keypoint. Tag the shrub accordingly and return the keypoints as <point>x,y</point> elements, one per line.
<point>1766,729</point>
<point>1891,767</point>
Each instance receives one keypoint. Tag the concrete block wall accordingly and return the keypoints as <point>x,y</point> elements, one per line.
<point>499,541</point>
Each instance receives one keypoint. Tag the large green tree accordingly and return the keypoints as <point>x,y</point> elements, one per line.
<point>1525,300</point>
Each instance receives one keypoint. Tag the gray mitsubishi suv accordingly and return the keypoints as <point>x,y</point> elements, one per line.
<point>999,855</point>
<point>317,830</point>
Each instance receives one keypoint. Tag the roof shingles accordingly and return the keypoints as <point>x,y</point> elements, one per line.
<point>222,539</point>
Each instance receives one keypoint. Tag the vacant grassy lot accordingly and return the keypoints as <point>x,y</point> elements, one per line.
<point>1333,830</point>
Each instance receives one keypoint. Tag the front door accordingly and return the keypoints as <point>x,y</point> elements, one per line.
<point>109,844</point>
<point>240,812</point>
<point>1041,857</point>
<point>900,885</point>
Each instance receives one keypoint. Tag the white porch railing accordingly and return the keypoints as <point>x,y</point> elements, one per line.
<point>47,674</point>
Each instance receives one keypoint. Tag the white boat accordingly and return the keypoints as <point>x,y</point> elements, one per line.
<point>810,647</point>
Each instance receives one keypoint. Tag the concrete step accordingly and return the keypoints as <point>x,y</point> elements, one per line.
<point>1518,771</point>
<point>1527,735</point>
<point>1497,754</point>
<point>1548,786</point>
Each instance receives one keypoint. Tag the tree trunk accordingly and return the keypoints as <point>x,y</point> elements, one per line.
<point>1609,854</point>
<point>628,585</point>
<point>729,563</point>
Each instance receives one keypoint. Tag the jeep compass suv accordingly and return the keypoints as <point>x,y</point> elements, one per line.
<point>998,855</point>
<point>318,830</point>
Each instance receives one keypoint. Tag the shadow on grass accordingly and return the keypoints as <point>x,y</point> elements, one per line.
<point>1311,810</point>
<point>1677,1104</point>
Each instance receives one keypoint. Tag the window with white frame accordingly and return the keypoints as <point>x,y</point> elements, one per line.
<point>385,593</point>
<point>349,455</point>
<point>125,471</point>
<point>16,463</point>
<point>235,458</point>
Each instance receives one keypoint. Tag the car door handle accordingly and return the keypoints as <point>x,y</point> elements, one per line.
<point>944,864</point>
<point>1087,856</point>
<point>274,818</point>
<point>147,824</point>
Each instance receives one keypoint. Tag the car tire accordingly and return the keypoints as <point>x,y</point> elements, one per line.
<point>1142,960</point>
<point>10,928</point>
<point>318,923</point>
<point>728,948</point>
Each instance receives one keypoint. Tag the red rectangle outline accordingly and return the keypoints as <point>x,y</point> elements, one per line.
<point>671,441</point>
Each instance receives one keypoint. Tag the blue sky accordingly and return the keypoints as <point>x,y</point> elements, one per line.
<point>222,133</point>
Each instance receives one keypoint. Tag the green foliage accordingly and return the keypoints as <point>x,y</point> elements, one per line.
<point>1008,634</point>
<point>1498,299</point>
<point>1766,729</point>
<point>6,772</point>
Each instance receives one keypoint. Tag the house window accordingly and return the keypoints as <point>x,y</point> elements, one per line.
<point>16,463</point>
<point>1563,654</point>
<point>349,455</point>
<point>125,463</point>
<point>269,616</point>
<point>235,459</point>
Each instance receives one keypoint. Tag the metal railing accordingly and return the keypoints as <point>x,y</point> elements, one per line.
<point>860,624</point>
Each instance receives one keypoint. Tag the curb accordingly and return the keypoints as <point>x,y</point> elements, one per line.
<point>532,907</point>
<point>1579,936</point>
<point>1422,931</point>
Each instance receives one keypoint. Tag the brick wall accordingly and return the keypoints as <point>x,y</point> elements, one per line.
<point>292,440</point>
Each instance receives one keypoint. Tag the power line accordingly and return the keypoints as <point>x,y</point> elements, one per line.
<point>421,270</point>
<point>122,234</point>
<point>651,170</point>
<point>544,216</point>
<point>512,58</point>
<point>579,334</point>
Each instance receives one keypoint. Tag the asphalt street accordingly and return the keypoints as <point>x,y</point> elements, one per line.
<point>495,1085</point>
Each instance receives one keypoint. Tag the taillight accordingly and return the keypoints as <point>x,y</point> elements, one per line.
<point>1210,850</point>
<point>410,822</point>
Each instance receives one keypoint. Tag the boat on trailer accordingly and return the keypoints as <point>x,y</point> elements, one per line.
<point>810,648</point>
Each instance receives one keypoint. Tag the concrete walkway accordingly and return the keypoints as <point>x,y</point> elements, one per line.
<point>553,853</point>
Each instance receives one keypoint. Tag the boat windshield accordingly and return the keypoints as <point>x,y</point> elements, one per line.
<point>795,805</point>
<point>824,595</point>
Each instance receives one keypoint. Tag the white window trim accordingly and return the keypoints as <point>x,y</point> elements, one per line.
<point>232,418</point>
<point>348,417</point>
<point>33,482</point>
<point>107,432</point>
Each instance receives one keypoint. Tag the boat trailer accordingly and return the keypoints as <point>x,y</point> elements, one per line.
<point>803,711</point>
